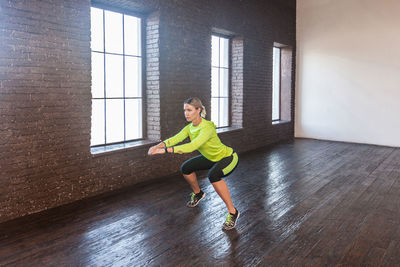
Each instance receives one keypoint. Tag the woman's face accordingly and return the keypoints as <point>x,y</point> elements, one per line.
<point>191,113</point>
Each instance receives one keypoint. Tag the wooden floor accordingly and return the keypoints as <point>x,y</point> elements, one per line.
<point>307,203</point>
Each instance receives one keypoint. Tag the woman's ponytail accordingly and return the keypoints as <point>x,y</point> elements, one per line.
<point>203,112</point>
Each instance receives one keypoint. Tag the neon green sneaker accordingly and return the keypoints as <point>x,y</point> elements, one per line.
<point>195,199</point>
<point>231,220</point>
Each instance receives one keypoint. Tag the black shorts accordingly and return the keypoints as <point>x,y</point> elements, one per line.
<point>218,169</point>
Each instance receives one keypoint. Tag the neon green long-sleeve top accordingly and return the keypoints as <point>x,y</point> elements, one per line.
<point>203,138</point>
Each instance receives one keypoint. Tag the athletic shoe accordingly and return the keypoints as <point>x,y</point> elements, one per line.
<point>231,220</point>
<point>195,199</point>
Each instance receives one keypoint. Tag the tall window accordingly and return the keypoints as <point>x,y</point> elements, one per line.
<point>276,84</point>
<point>220,81</point>
<point>116,77</point>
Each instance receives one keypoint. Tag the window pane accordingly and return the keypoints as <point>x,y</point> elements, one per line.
<point>215,51</point>
<point>96,28</point>
<point>97,134</point>
<point>214,110</point>
<point>224,82</point>
<point>223,112</point>
<point>133,115</point>
<point>114,76</point>
<point>133,77</point>
<point>224,52</point>
<point>97,75</point>
<point>276,84</point>
<point>115,120</point>
<point>113,32</point>
<point>214,82</point>
<point>132,35</point>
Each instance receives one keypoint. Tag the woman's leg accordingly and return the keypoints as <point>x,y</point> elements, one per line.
<point>223,168</point>
<point>222,189</point>
<point>192,180</point>
<point>189,167</point>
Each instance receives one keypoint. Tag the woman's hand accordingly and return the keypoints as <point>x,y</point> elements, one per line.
<point>157,149</point>
<point>151,150</point>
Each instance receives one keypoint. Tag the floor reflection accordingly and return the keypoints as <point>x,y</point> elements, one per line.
<point>278,199</point>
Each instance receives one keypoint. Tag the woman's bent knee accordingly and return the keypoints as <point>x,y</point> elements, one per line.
<point>185,169</point>
<point>214,177</point>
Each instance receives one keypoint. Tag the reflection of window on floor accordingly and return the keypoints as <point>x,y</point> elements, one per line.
<point>116,77</point>
<point>281,83</point>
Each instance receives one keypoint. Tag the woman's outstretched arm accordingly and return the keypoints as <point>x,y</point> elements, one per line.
<point>204,136</point>
<point>160,147</point>
<point>179,137</point>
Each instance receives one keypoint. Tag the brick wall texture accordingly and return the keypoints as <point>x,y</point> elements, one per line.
<point>45,91</point>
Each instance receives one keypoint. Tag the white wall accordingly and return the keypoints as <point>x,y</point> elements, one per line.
<point>348,71</point>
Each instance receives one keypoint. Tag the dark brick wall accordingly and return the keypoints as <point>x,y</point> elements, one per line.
<point>45,98</point>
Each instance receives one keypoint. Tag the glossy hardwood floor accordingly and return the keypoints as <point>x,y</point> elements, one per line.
<point>306,203</point>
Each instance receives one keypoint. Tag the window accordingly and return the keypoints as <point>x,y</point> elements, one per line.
<point>276,84</point>
<point>220,71</point>
<point>116,77</point>
<point>281,83</point>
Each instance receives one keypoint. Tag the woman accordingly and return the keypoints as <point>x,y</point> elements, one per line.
<point>220,159</point>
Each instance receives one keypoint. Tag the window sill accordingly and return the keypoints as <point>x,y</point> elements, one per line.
<point>101,150</point>
<point>280,122</point>
<point>228,129</point>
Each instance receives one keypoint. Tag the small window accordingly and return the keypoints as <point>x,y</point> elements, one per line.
<point>116,77</point>
<point>220,82</point>
<point>281,83</point>
<point>276,85</point>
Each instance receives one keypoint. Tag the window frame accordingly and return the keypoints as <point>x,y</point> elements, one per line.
<point>143,97</point>
<point>229,38</point>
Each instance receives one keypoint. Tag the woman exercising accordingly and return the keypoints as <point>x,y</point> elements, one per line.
<point>220,159</point>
